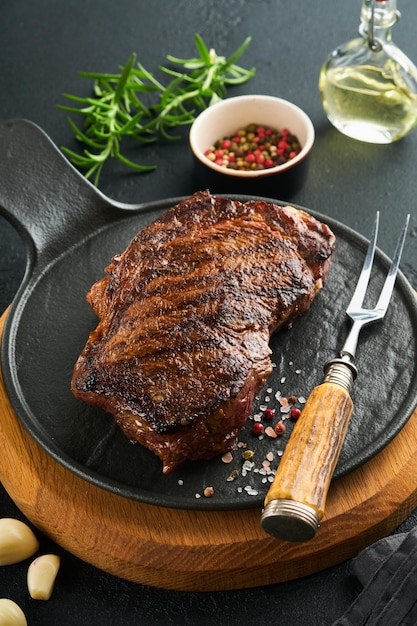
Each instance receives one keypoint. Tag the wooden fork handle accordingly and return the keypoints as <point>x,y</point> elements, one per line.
<point>294,504</point>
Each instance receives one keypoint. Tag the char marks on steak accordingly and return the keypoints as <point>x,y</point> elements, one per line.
<point>186,312</point>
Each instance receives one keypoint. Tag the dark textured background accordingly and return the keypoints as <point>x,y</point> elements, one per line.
<point>43,46</point>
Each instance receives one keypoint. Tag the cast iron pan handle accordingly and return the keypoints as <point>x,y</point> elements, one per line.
<point>48,201</point>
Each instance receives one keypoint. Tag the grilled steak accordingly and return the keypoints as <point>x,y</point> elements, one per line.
<point>186,312</point>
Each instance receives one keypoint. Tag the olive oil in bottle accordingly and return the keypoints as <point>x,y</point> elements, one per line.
<point>368,86</point>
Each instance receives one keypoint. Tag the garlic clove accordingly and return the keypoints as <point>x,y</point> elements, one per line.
<point>11,614</point>
<point>17,541</point>
<point>41,576</point>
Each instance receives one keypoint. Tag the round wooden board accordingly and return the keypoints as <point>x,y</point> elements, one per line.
<point>199,550</point>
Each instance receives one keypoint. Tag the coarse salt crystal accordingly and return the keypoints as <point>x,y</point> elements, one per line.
<point>277,395</point>
<point>270,432</point>
<point>283,379</point>
<point>285,409</point>
<point>298,371</point>
<point>302,400</point>
<point>180,482</point>
<point>209,492</point>
<point>248,465</point>
<point>270,456</point>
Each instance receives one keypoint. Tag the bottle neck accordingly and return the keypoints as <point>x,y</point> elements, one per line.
<point>377,19</point>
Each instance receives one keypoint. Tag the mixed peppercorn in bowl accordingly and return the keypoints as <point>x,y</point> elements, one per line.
<point>252,144</point>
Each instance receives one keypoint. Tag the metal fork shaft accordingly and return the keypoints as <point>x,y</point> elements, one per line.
<point>351,343</point>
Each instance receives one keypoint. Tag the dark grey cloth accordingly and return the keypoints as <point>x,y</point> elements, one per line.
<point>388,573</point>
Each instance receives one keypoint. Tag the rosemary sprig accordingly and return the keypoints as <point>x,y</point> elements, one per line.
<point>113,113</point>
<point>117,110</point>
<point>203,83</point>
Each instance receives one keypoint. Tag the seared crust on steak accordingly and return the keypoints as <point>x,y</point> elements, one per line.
<point>186,312</point>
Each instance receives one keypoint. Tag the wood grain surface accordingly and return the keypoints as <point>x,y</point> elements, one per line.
<point>200,550</point>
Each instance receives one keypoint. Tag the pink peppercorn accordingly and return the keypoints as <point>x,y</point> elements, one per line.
<point>295,413</point>
<point>269,414</point>
<point>280,428</point>
<point>257,428</point>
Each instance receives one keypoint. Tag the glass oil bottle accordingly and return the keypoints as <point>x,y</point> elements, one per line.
<point>368,85</point>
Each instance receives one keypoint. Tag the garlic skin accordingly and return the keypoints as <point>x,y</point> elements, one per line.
<point>41,576</point>
<point>17,541</point>
<point>11,614</point>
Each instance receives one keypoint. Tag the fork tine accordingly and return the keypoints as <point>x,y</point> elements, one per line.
<point>363,281</point>
<point>388,287</point>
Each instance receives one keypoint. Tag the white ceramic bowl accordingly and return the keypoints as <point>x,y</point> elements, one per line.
<point>225,118</point>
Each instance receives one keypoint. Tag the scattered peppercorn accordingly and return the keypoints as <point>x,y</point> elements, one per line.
<point>269,414</point>
<point>280,428</point>
<point>257,428</point>
<point>254,147</point>
<point>248,455</point>
<point>295,413</point>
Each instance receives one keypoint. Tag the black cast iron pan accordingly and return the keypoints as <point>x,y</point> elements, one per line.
<point>71,231</point>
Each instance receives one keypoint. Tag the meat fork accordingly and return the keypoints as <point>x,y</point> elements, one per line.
<point>294,504</point>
